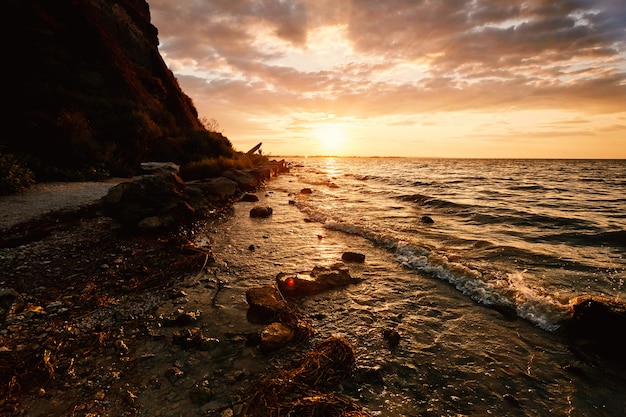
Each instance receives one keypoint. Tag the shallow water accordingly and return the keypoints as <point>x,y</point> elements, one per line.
<point>510,233</point>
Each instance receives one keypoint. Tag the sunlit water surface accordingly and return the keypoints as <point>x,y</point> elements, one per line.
<point>524,235</point>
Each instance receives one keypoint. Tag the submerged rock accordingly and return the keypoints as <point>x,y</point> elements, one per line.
<point>427,220</point>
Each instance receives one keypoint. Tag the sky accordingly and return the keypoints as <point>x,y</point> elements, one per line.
<point>420,78</point>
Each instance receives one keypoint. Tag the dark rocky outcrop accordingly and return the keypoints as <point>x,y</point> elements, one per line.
<point>152,202</point>
<point>597,326</point>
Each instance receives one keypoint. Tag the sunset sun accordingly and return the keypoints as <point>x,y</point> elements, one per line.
<point>331,138</point>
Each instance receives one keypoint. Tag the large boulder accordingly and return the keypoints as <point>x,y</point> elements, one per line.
<point>318,280</point>
<point>216,189</point>
<point>152,201</point>
<point>246,181</point>
<point>597,324</point>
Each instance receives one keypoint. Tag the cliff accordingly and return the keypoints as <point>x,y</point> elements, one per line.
<point>89,92</point>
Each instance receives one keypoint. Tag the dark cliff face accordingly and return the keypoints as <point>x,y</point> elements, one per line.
<point>88,87</point>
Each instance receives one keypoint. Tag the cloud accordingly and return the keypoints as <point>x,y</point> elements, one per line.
<point>370,58</point>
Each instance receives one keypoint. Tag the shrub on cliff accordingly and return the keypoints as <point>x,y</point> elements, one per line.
<point>13,176</point>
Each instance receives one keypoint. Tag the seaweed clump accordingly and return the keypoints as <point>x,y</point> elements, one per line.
<point>306,389</point>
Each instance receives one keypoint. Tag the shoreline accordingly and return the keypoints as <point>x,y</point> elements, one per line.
<point>79,300</point>
<point>102,321</point>
<point>124,324</point>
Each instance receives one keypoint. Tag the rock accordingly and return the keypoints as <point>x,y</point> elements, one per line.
<point>160,167</point>
<point>216,189</point>
<point>245,180</point>
<point>200,395</point>
<point>249,198</point>
<point>392,337</point>
<point>598,325</point>
<point>160,196</point>
<point>427,220</point>
<point>265,304</point>
<point>262,212</point>
<point>510,399</point>
<point>276,335</point>
<point>10,301</point>
<point>306,191</point>
<point>353,257</point>
<point>318,280</point>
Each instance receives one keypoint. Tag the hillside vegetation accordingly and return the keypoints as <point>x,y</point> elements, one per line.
<point>90,95</point>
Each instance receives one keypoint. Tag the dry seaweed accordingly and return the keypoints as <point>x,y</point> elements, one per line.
<point>305,389</point>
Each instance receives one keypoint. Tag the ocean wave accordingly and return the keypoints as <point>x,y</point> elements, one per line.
<point>511,293</point>
<point>615,238</point>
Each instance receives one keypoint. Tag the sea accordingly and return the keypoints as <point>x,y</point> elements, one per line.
<point>474,263</point>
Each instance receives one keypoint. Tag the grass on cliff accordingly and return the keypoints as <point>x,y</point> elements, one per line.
<point>212,167</point>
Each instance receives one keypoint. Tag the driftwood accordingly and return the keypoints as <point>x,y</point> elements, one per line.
<point>256,148</point>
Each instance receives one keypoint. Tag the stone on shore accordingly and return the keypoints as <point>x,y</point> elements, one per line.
<point>261,212</point>
<point>306,191</point>
<point>275,336</point>
<point>265,304</point>
<point>150,197</point>
<point>249,198</point>
<point>318,280</point>
<point>353,257</point>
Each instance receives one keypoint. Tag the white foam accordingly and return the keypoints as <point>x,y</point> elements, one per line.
<point>512,291</point>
